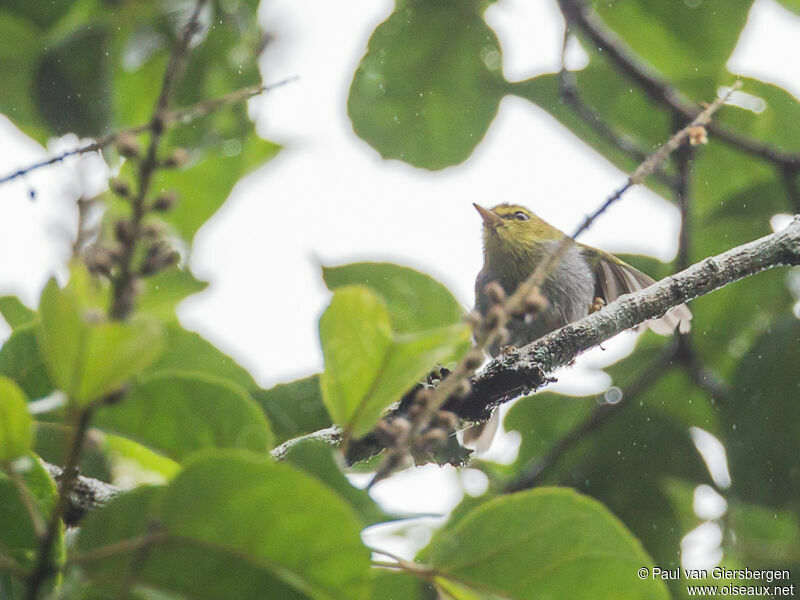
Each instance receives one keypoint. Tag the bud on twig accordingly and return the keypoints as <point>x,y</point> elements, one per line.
<point>496,293</point>
<point>124,231</point>
<point>98,260</point>
<point>127,145</point>
<point>177,159</point>
<point>165,201</point>
<point>120,187</point>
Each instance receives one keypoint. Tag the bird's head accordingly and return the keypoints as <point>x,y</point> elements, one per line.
<point>510,230</point>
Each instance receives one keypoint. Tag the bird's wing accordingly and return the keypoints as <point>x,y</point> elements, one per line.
<point>613,278</point>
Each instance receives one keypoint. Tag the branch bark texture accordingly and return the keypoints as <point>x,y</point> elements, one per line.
<point>526,369</point>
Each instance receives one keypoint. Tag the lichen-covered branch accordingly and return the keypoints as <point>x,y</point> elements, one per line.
<point>526,369</point>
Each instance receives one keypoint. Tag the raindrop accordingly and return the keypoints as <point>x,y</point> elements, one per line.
<point>613,395</point>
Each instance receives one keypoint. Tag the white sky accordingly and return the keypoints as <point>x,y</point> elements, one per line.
<point>329,198</point>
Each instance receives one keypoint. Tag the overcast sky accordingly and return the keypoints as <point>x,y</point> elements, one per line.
<point>329,198</point>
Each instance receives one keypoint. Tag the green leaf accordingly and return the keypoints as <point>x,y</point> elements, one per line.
<point>415,301</point>
<point>240,526</point>
<point>206,184</point>
<point>15,312</point>
<point>367,368</point>
<point>760,441</point>
<point>179,413</point>
<point>19,54</point>
<point>16,433</point>
<point>165,290</point>
<point>538,543</point>
<point>400,586</point>
<point>295,408</point>
<point>85,359</point>
<point>682,40</point>
<point>21,360</point>
<point>71,88</point>
<point>188,351</point>
<point>429,85</point>
<point>317,458</point>
<point>17,534</point>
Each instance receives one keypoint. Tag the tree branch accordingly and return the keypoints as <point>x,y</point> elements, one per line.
<point>658,88</point>
<point>526,369</point>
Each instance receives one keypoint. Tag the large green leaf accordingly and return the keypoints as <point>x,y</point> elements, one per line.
<point>295,408</point>
<point>165,290</point>
<point>415,301</point>
<point>88,359</point>
<point>538,544</point>
<point>237,525</point>
<point>21,360</point>
<point>367,367</point>
<point>683,40</point>
<point>759,418</point>
<point>178,413</point>
<point>429,85</point>
<point>16,433</point>
<point>17,533</point>
<point>188,351</point>
<point>207,182</point>
<point>317,458</point>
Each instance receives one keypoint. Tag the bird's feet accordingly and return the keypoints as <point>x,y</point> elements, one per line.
<point>596,304</point>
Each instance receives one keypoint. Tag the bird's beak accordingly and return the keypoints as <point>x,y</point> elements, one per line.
<point>489,218</point>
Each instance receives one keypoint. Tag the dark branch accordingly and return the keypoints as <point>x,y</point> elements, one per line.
<point>525,370</point>
<point>658,88</point>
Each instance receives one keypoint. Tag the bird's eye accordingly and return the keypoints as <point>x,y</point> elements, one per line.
<point>521,216</point>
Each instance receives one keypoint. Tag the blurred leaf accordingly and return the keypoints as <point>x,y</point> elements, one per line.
<point>15,312</point>
<point>122,450</point>
<point>683,40</point>
<point>429,85</point>
<point>86,359</point>
<point>415,301</point>
<point>179,413</point>
<point>17,535</point>
<point>42,14</point>
<point>317,458</point>
<point>762,535</point>
<point>543,420</point>
<point>206,184</point>
<point>537,544</point>
<point>760,440</point>
<point>19,55</point>
<point>391,585</point>
<point>367,368</point>
<point>238,525</point>
<point>188,351</point>
<point>793,5</point>
<point>295,408</point>
<point>71,88</point>
<point>165,290</point>
<point>16,428</point>
<point>21,360</point>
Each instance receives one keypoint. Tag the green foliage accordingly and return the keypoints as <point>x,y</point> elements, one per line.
<point>294,409</point>
<point>231,523</point>
<point>15,421</point>
<point>178,413</point>
<point>367,366</point>
<point>87,360</point>
<point>17,532</point>
<point>252,527</point>
<point>429,85</point>
<point>415,301</point>
<point>540,543</point>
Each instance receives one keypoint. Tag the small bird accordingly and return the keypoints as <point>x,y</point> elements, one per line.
<point>515,240</point>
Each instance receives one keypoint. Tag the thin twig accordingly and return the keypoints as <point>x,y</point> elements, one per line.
<point>44,564</point>
<point>658,88</point>
<point>123,282</point>
<point>181,116</point>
